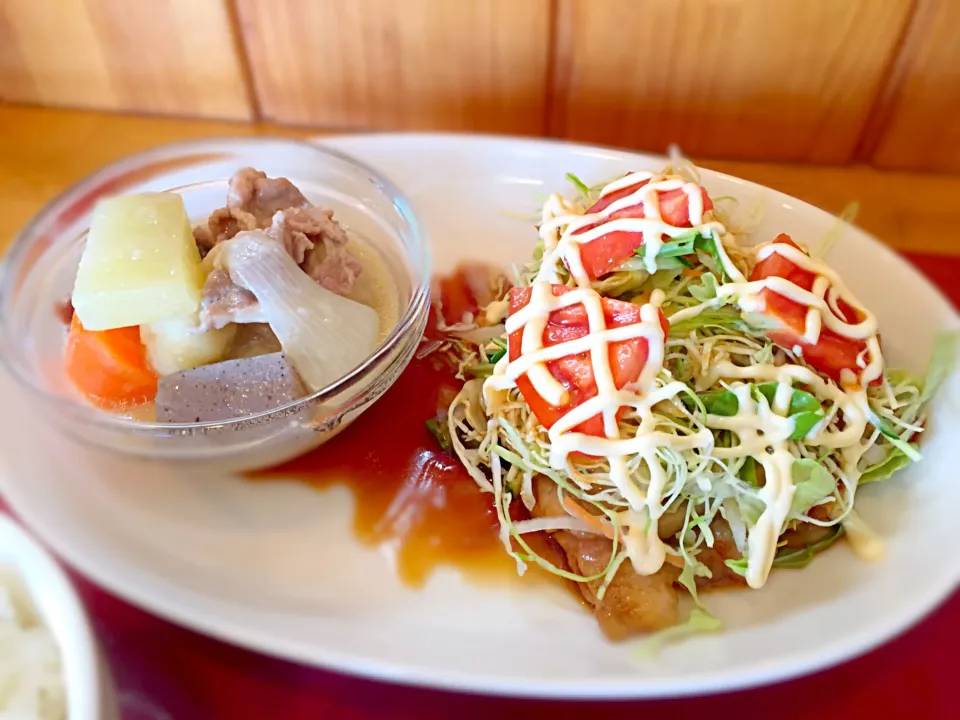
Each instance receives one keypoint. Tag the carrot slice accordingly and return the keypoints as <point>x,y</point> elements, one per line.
<point>598,525</point>
<point>110,367</point>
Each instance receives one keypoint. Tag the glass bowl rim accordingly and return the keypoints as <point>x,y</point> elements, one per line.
<point>417,306</point>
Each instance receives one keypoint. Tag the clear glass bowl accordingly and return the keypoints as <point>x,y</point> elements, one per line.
<point>41,266</point>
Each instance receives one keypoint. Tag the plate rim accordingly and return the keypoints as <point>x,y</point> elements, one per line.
<point>785,667</point>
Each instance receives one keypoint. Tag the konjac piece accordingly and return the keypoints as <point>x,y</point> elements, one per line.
<point>227,390</point>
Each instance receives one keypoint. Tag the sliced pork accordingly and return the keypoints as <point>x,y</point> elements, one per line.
<point>253,192</point>
<point>310,234</point>
<point>225,302</point>
<point>632,603</point>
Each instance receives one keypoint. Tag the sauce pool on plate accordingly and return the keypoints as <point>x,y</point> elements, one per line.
<point>411,497</point>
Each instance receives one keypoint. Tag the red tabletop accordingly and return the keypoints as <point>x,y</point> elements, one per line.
<point>163,672</point>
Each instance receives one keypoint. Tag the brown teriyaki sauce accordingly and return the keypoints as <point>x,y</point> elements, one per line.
<point>411,495</point>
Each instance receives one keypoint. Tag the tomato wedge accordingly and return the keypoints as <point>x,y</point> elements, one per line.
<point>611,250</point>
<point>469,288</point>
<point>456,298</point>
<point>832,353</point>
<point>575,372</point>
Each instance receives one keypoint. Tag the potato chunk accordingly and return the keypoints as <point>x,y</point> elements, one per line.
<point>140,264</point>
<point>178,344</point>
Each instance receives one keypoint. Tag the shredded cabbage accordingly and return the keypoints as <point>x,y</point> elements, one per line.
<point>700,621</point>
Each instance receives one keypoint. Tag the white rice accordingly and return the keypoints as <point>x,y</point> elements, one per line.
<point>31,681</point>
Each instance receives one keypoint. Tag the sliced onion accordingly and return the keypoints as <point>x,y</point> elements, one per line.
<point>473,407</point>
<point>480,335</point>
<point>427,348</point>
<point>549,524</point>
<point>323,335</point>
<point>731,512</point>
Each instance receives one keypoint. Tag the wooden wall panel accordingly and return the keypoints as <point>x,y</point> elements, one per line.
<point>410,64</point>
<point>771,79</point>
<point>164,56</point>
<point>919,118</point>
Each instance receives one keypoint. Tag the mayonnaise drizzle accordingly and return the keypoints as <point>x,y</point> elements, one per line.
<point>560,229</point>
<point>822,302</point>
<point>823,310</point>
<point>559,213</point>
<point>763,435</point>
<point>763,430</point>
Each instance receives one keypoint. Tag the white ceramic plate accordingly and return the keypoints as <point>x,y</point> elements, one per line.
<point>274,567</point>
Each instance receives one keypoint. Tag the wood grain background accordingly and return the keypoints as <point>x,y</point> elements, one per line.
<point>407,64</point>
<point>820,81</point>
<point>917,124</point>
<point>176,57</point>
<point>781,79</point>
